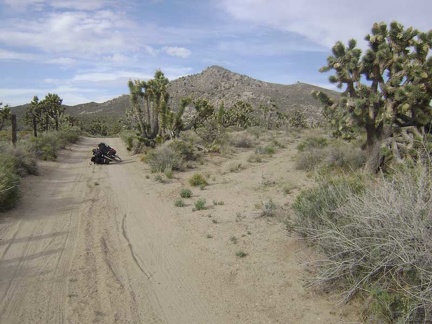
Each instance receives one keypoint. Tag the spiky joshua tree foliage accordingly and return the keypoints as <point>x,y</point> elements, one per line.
<point>387,91</point>
<point>149,105</point>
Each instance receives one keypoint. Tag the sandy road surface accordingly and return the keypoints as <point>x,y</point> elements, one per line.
<point>102,244</point>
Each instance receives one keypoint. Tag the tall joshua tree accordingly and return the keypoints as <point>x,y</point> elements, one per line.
<point>387,91</point>
<point>5,114</point>
<point>149,100</point>
<point>53,107</point>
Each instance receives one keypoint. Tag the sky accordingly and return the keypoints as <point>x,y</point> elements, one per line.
<point>87,50</point>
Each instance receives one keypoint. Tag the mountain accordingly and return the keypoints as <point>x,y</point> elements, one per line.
<point>215,84</point>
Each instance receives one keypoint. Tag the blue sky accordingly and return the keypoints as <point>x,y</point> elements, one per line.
<point>87,50</point>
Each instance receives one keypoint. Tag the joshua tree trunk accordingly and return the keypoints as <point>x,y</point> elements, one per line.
<point>34,126</point>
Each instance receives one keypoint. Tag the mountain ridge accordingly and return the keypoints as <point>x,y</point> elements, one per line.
<point>217,85</point>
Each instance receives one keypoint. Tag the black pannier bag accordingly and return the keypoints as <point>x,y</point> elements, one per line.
<point>98,157</point>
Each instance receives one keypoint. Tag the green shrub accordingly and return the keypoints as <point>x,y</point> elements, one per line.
<point>312,142</point>
<point>185,193</point>
<point>48,153</point>
<point>241,254</point>
<point>268,150</point>
<point>331,157</point>
<point>316,207</point>
<point>169,173</point>
<point>269,208</point>
<point>23,159</point>
<point>158,178</point>
<point>200,204</point>
<point>184,149</point>
<point>70,134</point>
<point>163,158</point>
<point>179,203</point>
<point>46,145</point>
<point>9,180</point>
<point>197,179</point>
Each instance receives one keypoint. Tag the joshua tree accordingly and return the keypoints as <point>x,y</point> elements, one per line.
<point>387,91</point>
<point>239,115</point>
<point>33,114</point>
<point>149,100</point>
<point>5,114</point>
<point>52,104</point>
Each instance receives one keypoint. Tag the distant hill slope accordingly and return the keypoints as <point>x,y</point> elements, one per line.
<point>215,84</point>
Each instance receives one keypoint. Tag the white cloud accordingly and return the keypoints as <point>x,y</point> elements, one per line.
<point>97,77</point>
<point>325,22</point>
<point>65,61</point>
<point>62,4</point>
<point>74,32</point>
<point>12,55</point>
<point>177,51</point>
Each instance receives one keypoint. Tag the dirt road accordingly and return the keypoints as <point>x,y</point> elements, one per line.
<point>105,244</point>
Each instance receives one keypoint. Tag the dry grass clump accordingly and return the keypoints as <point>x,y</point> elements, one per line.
<point>23,160</point>
<point>378,242</point>
<point>242,140</point>
<point>320,153</point>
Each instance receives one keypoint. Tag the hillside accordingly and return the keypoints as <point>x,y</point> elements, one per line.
<point>215,84</point>
<point>218,85</point>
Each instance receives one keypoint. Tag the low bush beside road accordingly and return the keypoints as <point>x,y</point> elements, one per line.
<point>21,160</point>
<point>377,238</point>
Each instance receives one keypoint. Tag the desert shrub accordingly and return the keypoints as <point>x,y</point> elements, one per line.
<point>163,158</point>
<point>277,143</point>
<point>200,204</point>
<point>242,140</point>
<point>316,207</point>
<point>47,153</point>
<point>241,254</point>
<point>179,203</point>
<point>345,158</point>
<point>377,240</point>
<point>312,142</point>
<point>331,156</point>
<point>309,160</point>
<point>130,138</point>
<point>210,133</point>
<point>158,177</point>
<point>169,173</point>
<point>235,166</point>
<point>9,180</point>
<point>69,134</point>
<point>268,150</point>
<point>269,208</point>
<point>254,158</point>
<point>23,160</point>
<point>185,149</point>
<point>297,119</point>
<point>197,179</point>
<point>255,131</point>
<point>185,193</point>
<point>46,145</point>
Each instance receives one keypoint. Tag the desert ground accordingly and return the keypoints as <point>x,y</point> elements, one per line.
<point>106,244</point>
